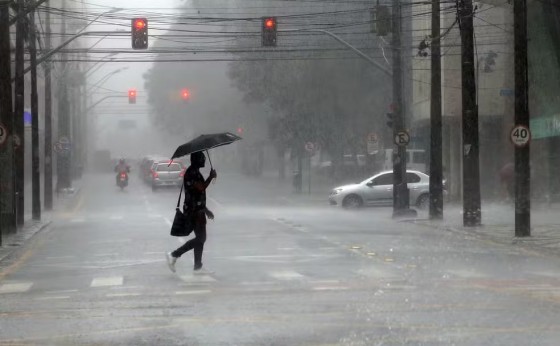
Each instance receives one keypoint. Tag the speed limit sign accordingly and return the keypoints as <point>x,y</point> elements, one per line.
<point>520,136</point>
<point>3,134</point>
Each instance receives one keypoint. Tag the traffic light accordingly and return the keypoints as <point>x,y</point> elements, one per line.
<point>239,130</point>
<point>139,33</point>
<point>269,31</point>
<point>132,96</point>
<point>389,117</point>
<point>185,94</point>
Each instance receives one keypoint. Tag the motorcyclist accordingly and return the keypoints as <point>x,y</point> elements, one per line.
<point>122,167</point>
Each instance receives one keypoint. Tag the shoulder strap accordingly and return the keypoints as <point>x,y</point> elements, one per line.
<point>180,193</point>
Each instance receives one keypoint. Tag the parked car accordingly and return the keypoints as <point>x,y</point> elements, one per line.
<point>167,173</point>
<point>378,191</point>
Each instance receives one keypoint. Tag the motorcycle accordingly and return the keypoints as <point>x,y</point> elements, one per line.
<point>122,180</point>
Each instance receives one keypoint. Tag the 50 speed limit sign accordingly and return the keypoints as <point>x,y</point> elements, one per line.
<point>520,135</point>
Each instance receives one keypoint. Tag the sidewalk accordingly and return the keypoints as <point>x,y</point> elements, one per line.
<point>12,242</point>
<point>498,225</point>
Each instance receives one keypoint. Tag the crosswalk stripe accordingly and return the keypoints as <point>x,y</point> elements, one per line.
<point>286,275</point>
<point>116,217</point>
<point>193,292</point>
<point>197,278</point>
<point>15,287</point>
<point>115,295</point>
<point>107,281</point>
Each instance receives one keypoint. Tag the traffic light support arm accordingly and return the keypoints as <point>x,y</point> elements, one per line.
<point>356,50</point>
<point>103,99</point>
<point>50,53</point>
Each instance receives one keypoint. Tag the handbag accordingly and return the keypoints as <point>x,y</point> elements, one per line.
<point>183,223</point>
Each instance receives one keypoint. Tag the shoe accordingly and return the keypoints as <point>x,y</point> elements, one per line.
<point>171,261</point>
<point>198,270</point>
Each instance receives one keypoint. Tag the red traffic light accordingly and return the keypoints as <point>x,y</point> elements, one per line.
<point>131,96</point>
<point>270,23</point>
<point>185,94</point>
<point>132,93</point>
<point>240,130</point>
<point>139,24</point>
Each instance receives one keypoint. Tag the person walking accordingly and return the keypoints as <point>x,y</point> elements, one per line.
<point>195,207</point>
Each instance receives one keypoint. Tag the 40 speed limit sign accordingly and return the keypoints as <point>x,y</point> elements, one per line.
<point>520,136</point>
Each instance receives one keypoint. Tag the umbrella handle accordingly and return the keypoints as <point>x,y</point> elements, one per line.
<point>211,167</point>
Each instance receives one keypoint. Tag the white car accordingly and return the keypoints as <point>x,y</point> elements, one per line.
<point>378,191</point>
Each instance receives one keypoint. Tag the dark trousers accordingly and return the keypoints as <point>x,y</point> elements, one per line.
<point>197,243</point>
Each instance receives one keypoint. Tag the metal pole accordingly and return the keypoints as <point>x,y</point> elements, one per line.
<point>7,174</point>
<point>522,116</point>
<point>63,161</point>
<point>35,161</point>
<point>19,88</point>
<point>48,193</point>
<point>436,176</point>
<point>471,171</point>
<point>400,189</point>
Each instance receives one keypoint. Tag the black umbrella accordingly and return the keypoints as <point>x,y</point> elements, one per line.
<point>204,143</point>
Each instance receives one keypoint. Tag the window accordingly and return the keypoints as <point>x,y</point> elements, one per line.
<point>385,179</point>
<point>175,167</point>
<point>412,178</point>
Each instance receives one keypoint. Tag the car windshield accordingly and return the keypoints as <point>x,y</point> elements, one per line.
<point>375,172</point>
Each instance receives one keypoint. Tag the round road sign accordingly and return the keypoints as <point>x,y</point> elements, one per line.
<point>402,138</point>
<point>309,147</point>
<point>64,140</point>
<point>520,136</point>
<point>3,134</point>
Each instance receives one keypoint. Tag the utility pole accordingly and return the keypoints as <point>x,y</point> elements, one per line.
<point>35,162</point>
<point>522,116</point>
<point>64,179</point>
<point>401,200</point>
<point>7,217</point>
<point>48,193</point>
<point>471,171</point>
<point>19,88</point>
<point>436,176</point>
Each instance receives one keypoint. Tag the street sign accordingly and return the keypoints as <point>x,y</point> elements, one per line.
<point>64,140</point>
<point>372,144</point>
<point>402,138</point>
<point>3,134</point>
<point>520,136</point>
<point>309,146</point>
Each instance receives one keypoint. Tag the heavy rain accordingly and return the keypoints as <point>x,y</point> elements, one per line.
<point>279,172</point>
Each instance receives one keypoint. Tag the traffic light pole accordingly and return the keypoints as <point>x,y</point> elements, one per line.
<point>47,55</point>
<point>436,176</point>
<point>522,116</point>
<point>401,199</point>
<point>48,180</point>
<point>19,104</point>
<point>471,171</point>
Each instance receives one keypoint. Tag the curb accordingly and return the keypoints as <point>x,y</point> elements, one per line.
<point>28,235</point>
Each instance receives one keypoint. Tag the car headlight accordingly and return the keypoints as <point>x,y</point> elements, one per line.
<point>336,191</point>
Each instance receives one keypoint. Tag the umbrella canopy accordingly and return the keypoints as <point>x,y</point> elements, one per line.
<point>205,142</point>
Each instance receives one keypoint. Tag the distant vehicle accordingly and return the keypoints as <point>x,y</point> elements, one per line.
<point>378,191</point>
<point>122,180</point>
<point>167,173</point>
<point>145,168</point>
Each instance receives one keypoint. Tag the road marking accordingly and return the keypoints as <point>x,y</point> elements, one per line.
<point>15,287</point>
<point>77,220</point>
<point>286,275</point>
<point>107,281</point>
<point>61,291</point>
<point>197,278</point>
<point>53,298</point>
<point>103,254</point>
<point>60,257</point>
<point>193,292</point>
<point>116,217</point>
<point>330,288</point>
<point>113,295</point>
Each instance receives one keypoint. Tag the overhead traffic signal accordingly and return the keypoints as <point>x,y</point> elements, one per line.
<point>139,33</point>
<point>268,32</point>
<point>132,96</point>
<point>389,117</point>
<point>185,94</point>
